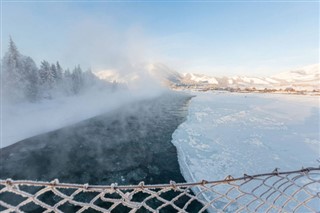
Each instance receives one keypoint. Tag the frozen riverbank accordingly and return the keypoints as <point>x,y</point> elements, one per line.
<point>228,133</point>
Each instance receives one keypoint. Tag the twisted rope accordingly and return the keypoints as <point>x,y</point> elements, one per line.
<point>293,191</point>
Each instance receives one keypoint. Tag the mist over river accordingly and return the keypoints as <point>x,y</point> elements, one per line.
<point>126,146</point>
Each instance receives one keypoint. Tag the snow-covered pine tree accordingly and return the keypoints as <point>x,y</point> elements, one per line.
<point>77,80</point>
<point>58,77</point>
<point>32,79</point>
<point>54,80</point>
<point>46,79</point>
<point>23,81</point>
<point>53,73</point>
<point>67,82</point>
<point>59,72</point>
<point>12,74</point>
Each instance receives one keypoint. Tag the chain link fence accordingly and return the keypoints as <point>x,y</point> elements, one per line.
<point>291,191</point>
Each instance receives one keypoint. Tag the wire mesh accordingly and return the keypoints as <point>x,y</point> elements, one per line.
<point>291,191</point>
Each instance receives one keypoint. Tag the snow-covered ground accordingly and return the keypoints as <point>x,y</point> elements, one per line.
<point>232,134</point>
<point>21,121</point>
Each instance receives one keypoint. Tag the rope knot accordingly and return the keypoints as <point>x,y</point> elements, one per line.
<point>85,186</point>
<point>276,171</point>
<point>247,176</point>
<point>305,170</point>
<point>141,184</point>
<point>229,178</point>
<point>173,184</point>
<point>204,182</point>
<point>54,182</point>
<point>9,182</point>
<point>113,186</point>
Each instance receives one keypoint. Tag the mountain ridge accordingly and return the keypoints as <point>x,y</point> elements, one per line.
<point>304,78</point>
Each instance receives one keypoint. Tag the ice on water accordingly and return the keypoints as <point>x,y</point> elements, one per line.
<point>228,133</point>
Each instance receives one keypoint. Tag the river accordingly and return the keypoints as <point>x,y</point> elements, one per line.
<point>129,145</point>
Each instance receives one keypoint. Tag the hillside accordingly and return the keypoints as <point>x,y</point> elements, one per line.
<point>305,78</point>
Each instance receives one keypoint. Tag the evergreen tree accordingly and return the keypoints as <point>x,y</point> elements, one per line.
<point>77,80</point>
<point>23,81</point>
<point>13,81</point>
<point>44,72</point>
<point>32,79</point>
<point>53,73</point>
<point>59,73</point>
<point>46,79</point>
<point>67,74</point>
<point>67,82</point>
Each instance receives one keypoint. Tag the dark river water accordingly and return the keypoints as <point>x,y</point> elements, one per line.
<point>126,146</point>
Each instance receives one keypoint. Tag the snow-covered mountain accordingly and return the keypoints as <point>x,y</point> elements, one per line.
<point>308,76</point>
<point>305,78</point>
<point>156,71</point>
<point>199,78</point>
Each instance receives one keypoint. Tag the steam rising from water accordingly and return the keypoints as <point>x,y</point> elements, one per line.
<point>102,46</point>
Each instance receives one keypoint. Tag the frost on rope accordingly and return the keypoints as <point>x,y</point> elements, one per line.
<point>291,191</point>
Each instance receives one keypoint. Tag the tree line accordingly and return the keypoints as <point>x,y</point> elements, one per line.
<point>23,81</point>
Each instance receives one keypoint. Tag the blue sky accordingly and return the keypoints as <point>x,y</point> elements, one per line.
<point>217,38</point>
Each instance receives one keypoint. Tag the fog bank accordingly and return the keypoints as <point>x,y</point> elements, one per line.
<point>25,120</point>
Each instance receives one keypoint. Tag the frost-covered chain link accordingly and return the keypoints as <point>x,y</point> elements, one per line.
<point>291,191</point>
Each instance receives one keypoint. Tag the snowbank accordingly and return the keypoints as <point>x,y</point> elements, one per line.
<point>230,133</point>
<point>21,121</point>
